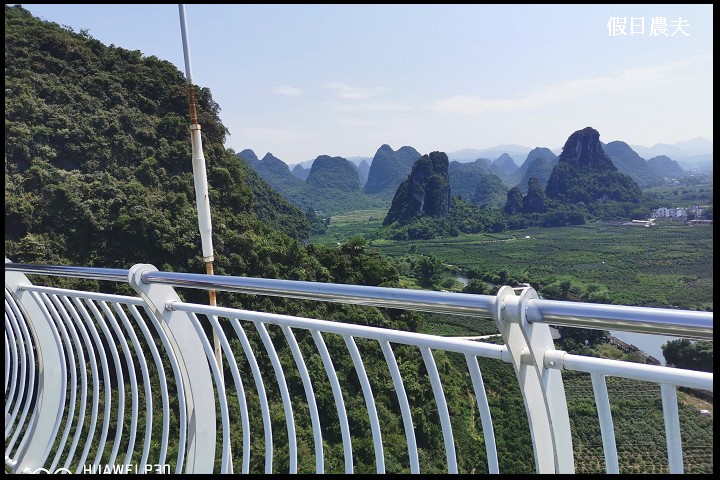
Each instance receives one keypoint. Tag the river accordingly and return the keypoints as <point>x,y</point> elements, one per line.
<point>650,344</point>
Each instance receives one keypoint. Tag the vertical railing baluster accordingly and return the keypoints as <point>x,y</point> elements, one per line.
<point>120,391</point>
<point>146,386</point>
<point>181,395</point>
<point>83,384</point>
<point>150,342</point>
<point>484,409</point>
<point>219,390</point>
<point>404,405</point>
<point>242,401</point>
<point>284,393</point>
<point>369,402</point>
<point>63,374</point>
<point>442,409</point>
<point>75,307</point>
<point>338,396</point>
<point>12,311</point>
<point>133,387</point>
<point>260,388</point>
<point>310,396</point>
<point>607,430</point>
<point>671,418</point>
<point>14,384</point>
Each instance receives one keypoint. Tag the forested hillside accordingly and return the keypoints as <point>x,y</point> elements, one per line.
<point>97,159</point>
<point>330,186</point>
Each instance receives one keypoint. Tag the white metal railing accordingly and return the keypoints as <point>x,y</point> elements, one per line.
<point>143,367</point>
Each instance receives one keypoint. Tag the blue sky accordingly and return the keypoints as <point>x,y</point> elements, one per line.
<point>305,80</point>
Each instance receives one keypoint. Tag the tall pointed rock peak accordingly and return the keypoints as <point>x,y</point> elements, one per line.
<point>584,173</point>
<point>425,192</point>
<point>584,149</point>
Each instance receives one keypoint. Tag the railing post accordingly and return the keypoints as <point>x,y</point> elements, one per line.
<point>196,376</point>
<point>542,388</point>
<point>37,441</point>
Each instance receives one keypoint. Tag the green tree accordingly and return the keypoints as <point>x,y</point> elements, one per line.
<point>476,286</point>
<point>514,202</point>
<point>534,201</point>
<point>427,270</point>
<point>689,354</point>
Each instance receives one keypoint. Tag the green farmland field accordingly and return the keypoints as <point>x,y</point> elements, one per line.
<point>666,265</point>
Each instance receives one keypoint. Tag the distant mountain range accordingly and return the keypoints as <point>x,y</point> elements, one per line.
<point>689,154</point>
<point>516,152</point>
<point>695,154</point>
<point>330,186</point>
<point>337,184</point>
<point>583,176</point>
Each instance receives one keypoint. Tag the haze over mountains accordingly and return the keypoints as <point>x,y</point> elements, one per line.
<point>484,180</point>
<point>696,153</point>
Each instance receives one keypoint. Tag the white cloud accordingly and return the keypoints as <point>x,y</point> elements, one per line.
<point>632,78</point>
<point>255,135</point>
<point>286,90</point>
<point>356,93</point>
<point>356,122</point>
<point>374,107</point>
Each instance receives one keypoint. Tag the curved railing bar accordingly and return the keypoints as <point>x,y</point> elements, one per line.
<point>242,401</point>
<point>163,390</point>
<point>219,391</point>
<point>338,396</point>
<point>260,388</point>
<point>63,370</point>
<point>9,419</point>
<point>445,424</point>
<point>95,376</point>
<point>671,418</point>
<point>403,403</point>
<point>7,356</point>
<point>106,382</point>
<point>607,430</point>
<point>310,396</point>
<point>120,387</point>
<point>182,403</point>
<point>484,409</point>
<point>146,386</point>
<point>12,310</point>
<point>133,386</point>
<point>284,393</point>
<point>70,351</point>
<point>369,402</point>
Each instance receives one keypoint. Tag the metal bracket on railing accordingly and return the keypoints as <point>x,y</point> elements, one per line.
<point>554,359</point>
<point>196,376</point>
<point>542,388</point>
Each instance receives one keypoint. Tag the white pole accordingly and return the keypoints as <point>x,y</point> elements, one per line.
<point>202,198</point>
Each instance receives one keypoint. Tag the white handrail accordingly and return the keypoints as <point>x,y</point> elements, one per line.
<point>73,330</point>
